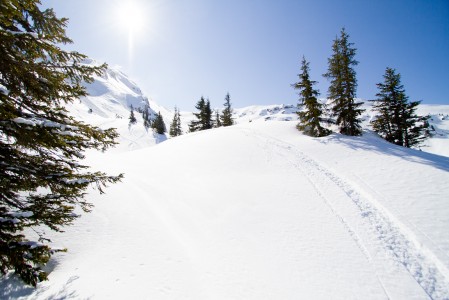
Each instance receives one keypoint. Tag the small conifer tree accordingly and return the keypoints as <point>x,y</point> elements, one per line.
<point>310,110</point>
<point>175,126</point>
<point>396,120</point>
<point>42,178</point>
<point>146,116</point>
<point>203,116</point>
<point>132,117</point>
<point>217,121</point>
<point>226,117</point>
<point>159,124</point>
<point>342,89</point>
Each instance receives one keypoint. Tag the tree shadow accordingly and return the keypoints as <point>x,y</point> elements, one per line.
<point>372,142</point>
<point>12,287</point>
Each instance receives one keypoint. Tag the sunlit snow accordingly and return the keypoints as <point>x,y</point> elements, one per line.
<point>253,211</point>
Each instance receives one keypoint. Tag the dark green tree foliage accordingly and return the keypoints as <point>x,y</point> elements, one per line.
<point>226,116</point>
<point>41,178</point>
<point>396,120</point>
<point>343,85</point>
<point>159,125</point>
<point>310,110</point>
<point>217,121</point>
<point>146,116</point>
<point>132,117</point>
<point>175,126</point>
<point>203,116</point>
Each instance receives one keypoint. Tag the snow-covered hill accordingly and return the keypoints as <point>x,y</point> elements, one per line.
<point>258,211</point>
<point>253,211</point>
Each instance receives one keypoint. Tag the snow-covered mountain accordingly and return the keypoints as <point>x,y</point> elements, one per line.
<point>112,95</point>
<point>253,211</point>
<point>109,103</point>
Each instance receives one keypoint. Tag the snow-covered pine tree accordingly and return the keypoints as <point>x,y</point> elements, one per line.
<point>310,110</point>
<point>175,126</point>
<point>203,116</point>
<point>132,117</point>
<point>396,120</point>
<point>226,116</point>
<point>41,146</point>
<point>342,89</point>
<point>159,124</point>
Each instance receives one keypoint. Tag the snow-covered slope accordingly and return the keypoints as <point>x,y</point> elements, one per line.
<point>112,95</point>
<point>439,121</point>
<point>258,211</point>
<point>253,211</point>
<point>108,105</point>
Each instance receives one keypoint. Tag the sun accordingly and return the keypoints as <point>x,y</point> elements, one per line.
<point>131,16</point>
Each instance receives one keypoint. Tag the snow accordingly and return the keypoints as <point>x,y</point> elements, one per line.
<point>24,121</point>
<point>259,211</point>
<point>24,214</point>
<point>252,211</point>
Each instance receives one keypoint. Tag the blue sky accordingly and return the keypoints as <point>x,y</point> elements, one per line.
<point>252,48</point>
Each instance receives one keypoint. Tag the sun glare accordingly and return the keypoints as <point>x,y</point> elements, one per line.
<point>131,16</point>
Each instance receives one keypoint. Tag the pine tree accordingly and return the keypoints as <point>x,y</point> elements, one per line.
<point>342,90</point>
<point>396,120</point>
<point>310,109</point>
<point>217,121</point>
<point>226,117</point>
<point>146,116</point>
<point>42,179</point>
<point>132,118</point>
<point>175,126</point>
<point>204,116</point>
<point>159,124</point>
<point>207,116</point>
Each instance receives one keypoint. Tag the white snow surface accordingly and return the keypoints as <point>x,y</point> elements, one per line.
<point>252,211</point>
<point>259,211</point>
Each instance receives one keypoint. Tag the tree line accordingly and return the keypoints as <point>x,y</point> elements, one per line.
<point>155,122</point>
<point>205,118</point>
<point>396,120</point>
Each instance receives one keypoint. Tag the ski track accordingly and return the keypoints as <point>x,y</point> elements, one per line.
<point>370,225</point>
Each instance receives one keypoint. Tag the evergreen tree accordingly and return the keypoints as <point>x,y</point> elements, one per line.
<point>226,117</point>
<point>204,116</point>
<point>175,126</point>
<point>310,109</point>
<point>159,124</point>
<point>146,116</point>
<point>217,121</point>
<point>342,90</point>
<point>132,118</point>
<point>42,180</point>
<point>396,120</point>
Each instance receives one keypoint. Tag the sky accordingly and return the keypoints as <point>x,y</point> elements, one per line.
<point>180,50</point>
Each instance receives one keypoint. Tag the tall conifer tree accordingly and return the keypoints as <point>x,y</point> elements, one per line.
<point>159,125</point>
<point>175,126</point>
<point>146,116</point>
<point>203,116</point>
<point>226,116</point>
<point>217,121</point>
<point>42,179</point>
<point>396,120</point>
<point>310,110</point>
<point>343,85</point>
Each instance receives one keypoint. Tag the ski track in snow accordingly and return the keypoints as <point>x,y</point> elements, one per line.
<point>379,238</point>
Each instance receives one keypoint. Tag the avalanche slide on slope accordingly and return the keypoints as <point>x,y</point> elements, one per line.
<point>259,211</point>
